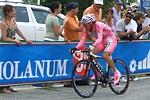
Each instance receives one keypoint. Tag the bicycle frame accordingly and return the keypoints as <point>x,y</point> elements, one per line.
<point>104,76</point>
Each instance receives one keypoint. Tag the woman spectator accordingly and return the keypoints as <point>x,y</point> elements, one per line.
<point>109,19</point>
<point>8,30</point>
<point>53,30</point>
<point>9,27</point>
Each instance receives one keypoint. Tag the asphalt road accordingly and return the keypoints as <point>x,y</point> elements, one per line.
<point>138,90</point>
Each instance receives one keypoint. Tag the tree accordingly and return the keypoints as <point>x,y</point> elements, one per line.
<point>129,2</point>
<point>30,1</point>
<point>83,4</point>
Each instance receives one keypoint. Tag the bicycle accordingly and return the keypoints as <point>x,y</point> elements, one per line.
<point>84,69</point>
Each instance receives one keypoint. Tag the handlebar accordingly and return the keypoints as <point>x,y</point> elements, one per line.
<point>80,53</point>
<point>89,53</point>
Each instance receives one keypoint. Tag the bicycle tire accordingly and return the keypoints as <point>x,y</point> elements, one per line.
<point>84,89</point>
<point>123,84</point>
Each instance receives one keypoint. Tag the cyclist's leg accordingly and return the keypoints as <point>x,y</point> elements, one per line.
<point>107,56</point>
<point>122,86</point>
<point>97,49</point>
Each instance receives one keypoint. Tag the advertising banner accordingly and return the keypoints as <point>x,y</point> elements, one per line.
<point>42,62</point>
<point>135,54</point>
<point>144,5</point>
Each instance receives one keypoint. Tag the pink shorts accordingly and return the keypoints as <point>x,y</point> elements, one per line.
<point>110,46</point>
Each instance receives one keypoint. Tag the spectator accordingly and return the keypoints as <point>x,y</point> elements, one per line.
<point>117,11</point>
<point>95,9</point>
<point>126,10</point>
<point>8,30</point>
<point>73,27</point>
<point>9,27</point>
<point>142,31</point>
<point>147,23</point>
<point>126,28</point>
<point>147,18</point>
<point>53,30</point>
<point>134,11</point>
<point>109,19</point>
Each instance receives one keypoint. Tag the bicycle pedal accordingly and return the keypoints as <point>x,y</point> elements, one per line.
<point>103,85</point>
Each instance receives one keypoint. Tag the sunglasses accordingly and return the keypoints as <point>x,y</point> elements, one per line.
<point>129,16</point>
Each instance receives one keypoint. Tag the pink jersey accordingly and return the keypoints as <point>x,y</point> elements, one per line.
<point>106,39</point>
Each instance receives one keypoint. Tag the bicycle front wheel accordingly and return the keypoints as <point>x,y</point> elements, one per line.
<point>81,74</point>
<point>123,84</point>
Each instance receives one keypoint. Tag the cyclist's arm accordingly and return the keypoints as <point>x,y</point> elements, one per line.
<point>99,37</point>
<point>98,41</point>
<point>83,39</point>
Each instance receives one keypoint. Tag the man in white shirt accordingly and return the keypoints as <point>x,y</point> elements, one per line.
<point>121,29</point>
<point>117,11</point>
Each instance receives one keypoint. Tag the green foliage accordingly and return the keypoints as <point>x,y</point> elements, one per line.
<point>30,1</point>
<point>83,4</point>
<point>128,2</point>
<point>107,4</point>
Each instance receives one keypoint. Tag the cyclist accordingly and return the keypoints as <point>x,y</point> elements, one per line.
<point>103,40</point>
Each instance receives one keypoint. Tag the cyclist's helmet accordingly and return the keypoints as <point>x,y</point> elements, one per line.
<point>88,18</point>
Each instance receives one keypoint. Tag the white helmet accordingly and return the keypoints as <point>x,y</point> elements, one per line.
<point>88,18</point>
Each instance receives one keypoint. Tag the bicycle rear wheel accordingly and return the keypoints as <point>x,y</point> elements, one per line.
<point>81,74</point>
<point>123,84</point>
